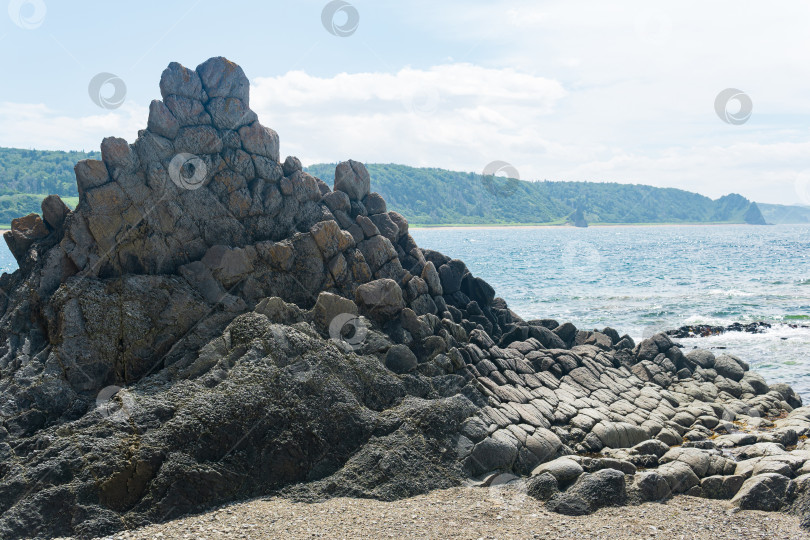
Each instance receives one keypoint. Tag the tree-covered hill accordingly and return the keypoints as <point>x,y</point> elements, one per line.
<point>40,171</point>
<point>27,176</point>
<point>437,196</point>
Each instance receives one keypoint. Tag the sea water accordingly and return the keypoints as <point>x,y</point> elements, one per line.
<point>640,280</point>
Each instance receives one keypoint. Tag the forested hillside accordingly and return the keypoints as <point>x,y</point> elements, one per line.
<point>40,171</point>
<point>437,196</point>
<point>27,176</point>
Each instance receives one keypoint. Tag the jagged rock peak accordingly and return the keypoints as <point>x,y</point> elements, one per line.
<point>203,196</point>
<point>204,173</point>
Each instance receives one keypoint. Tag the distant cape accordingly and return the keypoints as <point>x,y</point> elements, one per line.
<point>430,196</point>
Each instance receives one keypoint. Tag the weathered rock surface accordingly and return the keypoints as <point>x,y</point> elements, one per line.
<point>211,323</point>
<point>770,491</point>
<point>591,492</point>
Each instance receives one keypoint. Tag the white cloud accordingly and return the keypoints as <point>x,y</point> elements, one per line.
<point>453,81</point>
<point>463,116</point>
<point>456,115</point>
<point>562,90</point>
<point>26,125</point>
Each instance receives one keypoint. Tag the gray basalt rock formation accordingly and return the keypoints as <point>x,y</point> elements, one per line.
<point>212,323</point>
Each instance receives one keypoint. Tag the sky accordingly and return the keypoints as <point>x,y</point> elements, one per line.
<point>621,91</point>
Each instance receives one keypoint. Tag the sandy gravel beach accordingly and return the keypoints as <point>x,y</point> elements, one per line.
<point>468,512</point>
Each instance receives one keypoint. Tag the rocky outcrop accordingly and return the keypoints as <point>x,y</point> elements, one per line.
<point>753,216</point>
<point>704,330</point>
<point>577,218</point>
<point>213,323</point>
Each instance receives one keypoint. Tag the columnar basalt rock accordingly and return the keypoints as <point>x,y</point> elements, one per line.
<point>213,323</point>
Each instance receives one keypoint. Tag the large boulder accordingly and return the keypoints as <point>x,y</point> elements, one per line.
<point>380,299</point>
<point>564,470</point>
<point>386,226</point>
<point>24,232</point>
<point>679,476</point>
<point>221,78</point>
<point>721,487</point>
<point>729,367</point>
<point>496,452</point>
<point>260,141</point>
<point>161,120</point>
<point>374,204</point>
<point>591,492</point>
<point>352,178</point>
<point>451,275</point>
<point>542,486</point>
<point>651,447</point>
<point>431,276</point>
<point>769,491</point>
<point>401,223</point>
<point>329,306</point>
<point>567,332</point>
<point>400,359</point>
<point>330,239</point>
<point>178,80</point>
<point>546,337</point>
<point>788,394</point>
<point>90,173</point>
<point>648,486</point>
<point>700,358</point>
<point>54,211</point>
<point>698,460</point>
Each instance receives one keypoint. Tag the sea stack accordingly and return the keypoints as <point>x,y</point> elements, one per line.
<point>211,323</point>
<point>577,218</point>
<point>753,216</point>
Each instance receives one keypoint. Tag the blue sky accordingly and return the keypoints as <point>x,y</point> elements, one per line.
<point>588,90</point>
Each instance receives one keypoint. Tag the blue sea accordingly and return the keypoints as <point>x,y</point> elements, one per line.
<point>640,280</point>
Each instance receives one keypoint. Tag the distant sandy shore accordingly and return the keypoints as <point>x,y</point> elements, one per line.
<point>546,226</point>
<point>592,226</point>
<point>470,512</point>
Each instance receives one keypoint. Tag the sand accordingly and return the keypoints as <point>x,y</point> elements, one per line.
<point>470,512</point>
